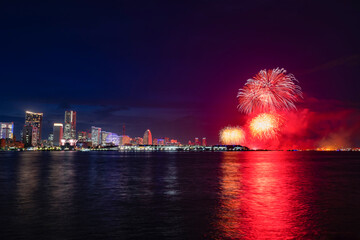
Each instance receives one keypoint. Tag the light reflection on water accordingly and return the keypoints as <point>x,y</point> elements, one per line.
<point>224,195</point>
<point>28,181</point>
<point>260,197</point>
<point>61,182</point>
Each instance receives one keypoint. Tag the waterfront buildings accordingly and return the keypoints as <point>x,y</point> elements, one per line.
<point>174,142</point>
<point>84,139</point>
<point>198,143</point>
<point>82,136</point>
<point>35,120</point>
<point>9,143</point>
<point>70,125</point>
<point>35,141</point>
<point>95,136</point>
<point>104,136</point>
<point>6,130</point>
<point>57,134</point>
<point>89,137</point>
<point>51,137</point>
<point>165,142</point>
<point>30,136</point>
<point>64,135</point>
<point>46,143</point>
<point>112,139</point>
<point>147,138</point>
<point>125,140</point>
<point>137,141</point>
<point>204,143</point>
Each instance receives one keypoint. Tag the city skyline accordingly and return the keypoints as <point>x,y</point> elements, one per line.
<point>18,129</point>
<point>72,133</point>
<point>64,135</point>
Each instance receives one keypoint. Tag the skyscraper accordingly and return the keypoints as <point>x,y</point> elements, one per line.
<point>35,120</point>
<point>30,136</point>
<point>147,138</point>
<point>95,136</point>
<point>89,137</point>
<point>57,133</point>
<point>6,130</point>
<point>197,142</point>
<point>70,125</point>
<point>204,143</point>
<point>104,136</point>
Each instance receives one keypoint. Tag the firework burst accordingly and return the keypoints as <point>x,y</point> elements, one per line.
<point>265,126</point>
<point>269,91</point>
<point>232,136</point>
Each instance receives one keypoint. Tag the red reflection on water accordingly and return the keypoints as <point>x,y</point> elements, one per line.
<point>259,197</point>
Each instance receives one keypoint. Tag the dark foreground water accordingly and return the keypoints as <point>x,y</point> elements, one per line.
<point>229,195</point>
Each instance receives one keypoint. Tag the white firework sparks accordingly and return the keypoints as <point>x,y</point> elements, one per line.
<point>269,90</point>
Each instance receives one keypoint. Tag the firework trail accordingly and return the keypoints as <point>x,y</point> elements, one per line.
<point>269,91</point>
<point>232,136</point>
<point>265,126</point>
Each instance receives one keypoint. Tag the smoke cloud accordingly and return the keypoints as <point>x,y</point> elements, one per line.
<point>308,128</point>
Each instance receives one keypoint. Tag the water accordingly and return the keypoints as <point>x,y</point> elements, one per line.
<point>228,195</point>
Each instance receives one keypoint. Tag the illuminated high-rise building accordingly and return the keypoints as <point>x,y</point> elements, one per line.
<point>35,137</point>
<point>95,136</point>
<point>104,136</point>
<point>147,138</point>
<point>204,143</point>
<point>89,137</point>
<point>197,142</point>
<point>30,136</point>
<point>27,135</point>
<point>70,125</point>
<point>6,130</point>
<point>83,136</point>
<point>35,120</point>
<point>57,134</point>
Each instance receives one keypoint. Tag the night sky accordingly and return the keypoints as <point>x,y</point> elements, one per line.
<point>174,67</point>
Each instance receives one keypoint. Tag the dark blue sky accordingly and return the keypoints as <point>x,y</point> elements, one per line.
<point>173,66</point>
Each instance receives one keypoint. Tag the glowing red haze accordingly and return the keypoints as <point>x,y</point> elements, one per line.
<point>269,99</point>
<point>309,129</point>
